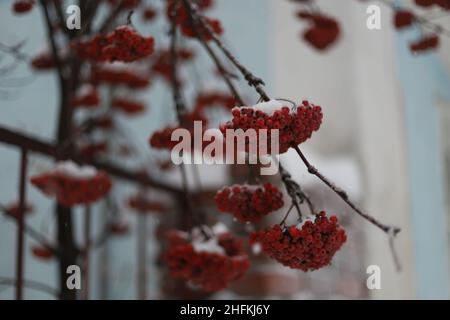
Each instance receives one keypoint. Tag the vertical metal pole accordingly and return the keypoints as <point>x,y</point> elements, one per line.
<point>20,224</point>
<point>87,249</point>
<point>142,256</point>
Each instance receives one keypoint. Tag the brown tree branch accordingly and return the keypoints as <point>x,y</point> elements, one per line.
<point>35,145</point>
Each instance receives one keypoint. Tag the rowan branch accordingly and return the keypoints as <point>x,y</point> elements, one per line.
<point>343,195</point>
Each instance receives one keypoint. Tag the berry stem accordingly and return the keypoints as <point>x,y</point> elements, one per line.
<point>287,214</point>
<point>223,72</point>
<point>343,195</point>
<point>252,80</point>
<point>422,21</point>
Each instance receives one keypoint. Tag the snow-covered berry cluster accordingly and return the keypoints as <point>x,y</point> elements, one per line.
<point>208,264</point>
<point>123,44</point>
<point>307,247</point>
<point>249,203</point>
<point>295,126</point>
<point>72,185</point>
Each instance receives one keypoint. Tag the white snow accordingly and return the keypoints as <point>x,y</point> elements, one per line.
<point>85,89</point>
<point>269,107</point>
<point>219,228</point>
<point>73,170</point>
<point>256,248</point>
<point>211,245</point>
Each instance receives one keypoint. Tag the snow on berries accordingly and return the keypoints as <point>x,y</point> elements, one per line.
<point>123,44</point>
<point>209,264</point>
<point>295,126</point>
<point>308,246</point>
<point>323,30</point>
<point>23,6</point>
<point>72,184</point>
<point>249,203</point>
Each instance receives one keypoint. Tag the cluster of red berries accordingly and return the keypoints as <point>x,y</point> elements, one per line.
<point>149,14</point>
<point>444,4</point>
<point>123,77</point>
<point>93,150</point>
<point>73,189</point>
<point>161,139</point>
<point>188,29</point>
<point>295,126</point>
<point>403,19</point>
<point>13,210</point>
<point>22,6</point>
<point>104,122</point>
<point>119,228</point>
<point>323,30</point>
<point>208,264</point>
<point>87,97</point>
<point>123,44</point>
<point>162,65</point>
<point>249,203</point>
<point>43,61</point>
<point>124,4</point>
<point>142,204</point>
<point>185,23</point>
<point>425,44</point>
<point>309,247</point>
<point>215,98</point>
<point>128,106</point>
<point>42,252</point>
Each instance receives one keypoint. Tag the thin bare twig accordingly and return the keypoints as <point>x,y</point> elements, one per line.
<point>252,80</point>
<point>32,284</point>
<point>343,195</point>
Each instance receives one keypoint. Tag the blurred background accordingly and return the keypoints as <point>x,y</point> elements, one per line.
<point>385,139</point>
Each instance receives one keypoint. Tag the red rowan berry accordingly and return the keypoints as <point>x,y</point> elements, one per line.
<point>307,247</point>
<point>249,203</point>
